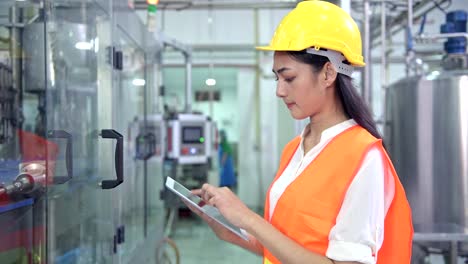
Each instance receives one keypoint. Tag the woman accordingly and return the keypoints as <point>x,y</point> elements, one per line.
<point>336,197</point>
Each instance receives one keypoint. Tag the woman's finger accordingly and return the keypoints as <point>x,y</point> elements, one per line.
<point>207,188</point>
<point>212,201</point>
<point>197,192</point>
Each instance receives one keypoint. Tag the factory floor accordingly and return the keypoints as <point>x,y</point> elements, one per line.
<point>197,244</point>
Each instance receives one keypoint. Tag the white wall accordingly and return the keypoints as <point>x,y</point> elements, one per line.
<point>224,112</point>
<point>269,134</point>
<point>227,26</point>
<point>248,161</point>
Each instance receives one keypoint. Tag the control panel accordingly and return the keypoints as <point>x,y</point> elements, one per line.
<point>188,137</point>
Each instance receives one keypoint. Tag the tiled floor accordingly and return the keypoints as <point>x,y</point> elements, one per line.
<point>197,244</point>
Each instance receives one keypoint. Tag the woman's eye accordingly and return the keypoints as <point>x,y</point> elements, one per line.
<point>288,80</point>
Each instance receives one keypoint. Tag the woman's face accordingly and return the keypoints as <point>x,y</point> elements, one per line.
<point>299,85</point>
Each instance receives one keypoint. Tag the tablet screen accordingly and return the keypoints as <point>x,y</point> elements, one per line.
<point>188,194</point>
<point>209,210</point>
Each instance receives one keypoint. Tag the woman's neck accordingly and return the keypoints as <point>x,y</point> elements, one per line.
<point>328,117</point>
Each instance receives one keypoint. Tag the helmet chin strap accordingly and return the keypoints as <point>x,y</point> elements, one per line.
<point>336,58</point>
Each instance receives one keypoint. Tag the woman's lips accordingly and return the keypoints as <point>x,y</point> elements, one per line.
<point>290,105</point>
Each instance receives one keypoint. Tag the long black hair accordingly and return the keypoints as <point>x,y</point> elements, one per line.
<point>353,104</point>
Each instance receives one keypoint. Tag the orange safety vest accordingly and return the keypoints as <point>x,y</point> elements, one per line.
<point>307,210</point>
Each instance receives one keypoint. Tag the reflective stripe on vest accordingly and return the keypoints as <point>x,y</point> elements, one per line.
<point>307,210</point>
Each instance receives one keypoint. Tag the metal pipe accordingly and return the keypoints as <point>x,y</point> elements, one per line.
<point>396,3</point>
<point>16,68</point>
<point>206,65</point>
<point>223,47</point>
<point>366,92</point>
<point>258,119</point>
<point>440,237</point>
<point>397,24</point>
<point>159,82</point>
<point>402,59</point>
<point>383,60</point>
<point>188,82</point>
<point>383,36</point>
<point>233,4</point>
<point>409,37</point>
<point>424,37</point>
<point>145,162</point>
<point>453,252</point>
<point>187,52</point>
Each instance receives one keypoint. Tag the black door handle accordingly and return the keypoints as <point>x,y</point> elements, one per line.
<point>111,133</point>
<point>68,155</point>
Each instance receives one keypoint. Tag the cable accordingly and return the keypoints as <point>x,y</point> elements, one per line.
<point>443,9</point>
<point>423,23</point>
<point>161,253</point>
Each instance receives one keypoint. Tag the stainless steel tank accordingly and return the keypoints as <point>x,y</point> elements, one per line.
<point>426,135</point>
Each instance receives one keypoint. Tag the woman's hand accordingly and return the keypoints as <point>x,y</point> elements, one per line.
<point>221,232</point>
<point>229,205</point>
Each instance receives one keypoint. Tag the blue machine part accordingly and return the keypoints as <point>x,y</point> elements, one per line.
<point>16,205</point>
<point>69,257</point>
<point>456,23</point>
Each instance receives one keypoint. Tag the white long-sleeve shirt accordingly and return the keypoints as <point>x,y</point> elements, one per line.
<point>359,230</point>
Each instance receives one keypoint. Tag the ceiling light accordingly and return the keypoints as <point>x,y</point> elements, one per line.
<point>138,82</point>
<point>210,82</point>
<point>84,45</point>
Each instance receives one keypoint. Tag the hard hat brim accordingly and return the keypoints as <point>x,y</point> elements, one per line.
<point>268,48</point>
<point>271,48</point>
<point>355,63</point>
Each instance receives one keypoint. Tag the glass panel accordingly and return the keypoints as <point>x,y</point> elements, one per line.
<point>155,216</point>
<point>23,146</point>
<point>129,110</point>
<point>80,214</point>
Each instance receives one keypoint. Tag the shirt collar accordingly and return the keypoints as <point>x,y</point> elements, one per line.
<point>329,133</point>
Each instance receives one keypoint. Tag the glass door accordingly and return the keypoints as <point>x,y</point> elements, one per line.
<point>156,212</point>
<point>78,114</point>
<point>24,149</point>
<point>129,117</point>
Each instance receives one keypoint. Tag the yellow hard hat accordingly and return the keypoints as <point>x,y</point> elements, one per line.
<point>319,24</point>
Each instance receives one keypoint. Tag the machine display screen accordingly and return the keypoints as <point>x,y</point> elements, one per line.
<point>192,135</point>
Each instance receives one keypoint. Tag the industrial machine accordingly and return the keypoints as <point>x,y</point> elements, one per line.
<point>188,138</point>
<point>426,134</point>
<point>189,157</point>
<point>74,187</point>
<point>189,149</point>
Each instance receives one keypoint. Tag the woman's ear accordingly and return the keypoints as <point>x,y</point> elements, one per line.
<point>330,73</point>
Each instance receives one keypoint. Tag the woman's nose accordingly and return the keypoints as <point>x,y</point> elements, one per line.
<point>280,90</point>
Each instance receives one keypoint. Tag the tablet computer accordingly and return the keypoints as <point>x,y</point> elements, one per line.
<point>209,210</point>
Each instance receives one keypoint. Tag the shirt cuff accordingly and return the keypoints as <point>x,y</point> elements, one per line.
<point>348,251</point>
